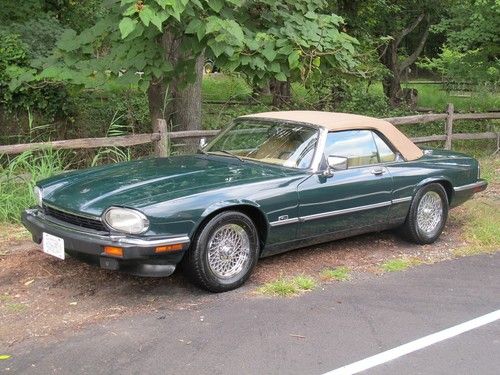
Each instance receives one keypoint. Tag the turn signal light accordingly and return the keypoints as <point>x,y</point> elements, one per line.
<point>164,249</point>
<point>113,251</point>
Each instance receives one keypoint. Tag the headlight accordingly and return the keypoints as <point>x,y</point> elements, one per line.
<point>37,192</point>
<point>126,220</point>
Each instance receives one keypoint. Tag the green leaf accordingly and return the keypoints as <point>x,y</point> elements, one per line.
<point>311,15</point>
<point>193,26</point>
<point>216,5</point>
<point>3,357</point>
<point>146,15</point>
<point>280,77</point>
<point>269,53</point>
<point>127,25</point>
<point>316,61</point>
<point>159,18</point>
<point>293,59</point>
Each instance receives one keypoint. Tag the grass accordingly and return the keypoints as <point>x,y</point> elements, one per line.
<point>339,274</point>
<point>433,96</point>
<point>287,287</point>
<point>15,307</point>
<point>482,227</point>
<point>19,177</point>
<point>490,169</point>
<point>400,264</point>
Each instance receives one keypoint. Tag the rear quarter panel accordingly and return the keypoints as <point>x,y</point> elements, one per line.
<point>452,168</point>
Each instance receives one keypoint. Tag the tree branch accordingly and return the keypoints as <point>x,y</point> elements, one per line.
<point>409,29</point>
<point>413,57</point>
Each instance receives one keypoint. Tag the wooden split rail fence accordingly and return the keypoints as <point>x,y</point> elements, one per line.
<point>162,137</point>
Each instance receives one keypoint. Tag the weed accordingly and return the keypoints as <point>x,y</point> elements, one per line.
<point>280,287</point>
<point>15,307</point>
<point>395,265</point>
<point>339,273</point>
<point>287,287</point>
<point>304,282</point>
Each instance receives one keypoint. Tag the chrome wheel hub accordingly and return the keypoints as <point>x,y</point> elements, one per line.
<point>228,250</point>
<point>429,212</point>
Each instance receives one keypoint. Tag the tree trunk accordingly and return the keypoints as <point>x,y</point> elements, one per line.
<point>281,93</point>
<point>186,107</point>
<point>178,103</point>
<point>389,57</point>
<point>156,100</point>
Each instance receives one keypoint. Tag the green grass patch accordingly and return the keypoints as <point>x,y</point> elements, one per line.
<point>401,264</point>
<point>490,169</point>
<point>14,307</point>
<point>435,97</point>
<point>223,87</point>
<point>287,287</point>
<point>339,274</point>
<point>482,228</point>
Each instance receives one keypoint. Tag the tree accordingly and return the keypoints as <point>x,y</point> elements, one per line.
<point>157,46</point>
<point>407,24</point>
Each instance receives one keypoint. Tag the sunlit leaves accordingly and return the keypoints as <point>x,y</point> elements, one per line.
<point>127,25</point>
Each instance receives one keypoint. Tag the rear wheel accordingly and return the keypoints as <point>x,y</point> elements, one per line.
<point>224,252</point>
<point>428,214</point>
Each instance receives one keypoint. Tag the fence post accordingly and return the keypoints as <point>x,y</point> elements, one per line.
<point>161,146</point>
<point>449,126</point>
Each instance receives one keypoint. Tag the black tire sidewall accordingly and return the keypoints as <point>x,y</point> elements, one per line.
<point>199,265</point>
<point>415,232</point>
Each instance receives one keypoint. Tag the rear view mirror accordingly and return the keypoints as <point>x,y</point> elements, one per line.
<point>203,142</point>
<point>337,163</point>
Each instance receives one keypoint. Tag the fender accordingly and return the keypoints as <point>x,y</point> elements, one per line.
<point>433,179</point>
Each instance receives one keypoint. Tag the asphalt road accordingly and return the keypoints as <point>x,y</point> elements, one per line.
<point>311,334</point>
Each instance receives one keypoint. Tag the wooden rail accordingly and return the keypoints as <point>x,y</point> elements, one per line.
<point>161,136</point>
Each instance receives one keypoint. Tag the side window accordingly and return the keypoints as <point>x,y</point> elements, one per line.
<point>358,146</point>
<point>385,153</point>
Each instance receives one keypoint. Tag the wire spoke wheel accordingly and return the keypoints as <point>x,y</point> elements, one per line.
<point>430,212</point>
<point>228,250</point>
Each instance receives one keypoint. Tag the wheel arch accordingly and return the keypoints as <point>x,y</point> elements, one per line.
<point>249,208</point>
<point>445,182</point>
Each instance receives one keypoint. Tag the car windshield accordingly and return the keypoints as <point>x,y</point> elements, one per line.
<point>288,145</point>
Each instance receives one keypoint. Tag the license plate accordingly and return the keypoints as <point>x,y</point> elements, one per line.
<point>53,245</point>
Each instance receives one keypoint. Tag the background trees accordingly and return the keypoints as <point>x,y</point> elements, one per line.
<point>56,56</point>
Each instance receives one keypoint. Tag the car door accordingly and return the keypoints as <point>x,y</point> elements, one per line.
<point>354,198</point>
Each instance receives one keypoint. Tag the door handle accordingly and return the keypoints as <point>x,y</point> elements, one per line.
<point>378,171</point>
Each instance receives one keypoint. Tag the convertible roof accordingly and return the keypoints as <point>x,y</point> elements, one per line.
<point>345,121</point>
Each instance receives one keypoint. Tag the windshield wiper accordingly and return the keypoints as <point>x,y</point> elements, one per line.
<point>231,154</point>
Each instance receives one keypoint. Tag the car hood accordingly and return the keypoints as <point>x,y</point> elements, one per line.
<point>142,183</point>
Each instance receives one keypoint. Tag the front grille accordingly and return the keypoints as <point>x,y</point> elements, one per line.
<point>80,221</point>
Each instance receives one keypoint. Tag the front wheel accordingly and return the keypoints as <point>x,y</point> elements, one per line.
<point>428,214</point>
<point>224,252</point>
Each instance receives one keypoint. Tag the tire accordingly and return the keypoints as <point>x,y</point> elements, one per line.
<point>428,214</point>
<point>211,262</point>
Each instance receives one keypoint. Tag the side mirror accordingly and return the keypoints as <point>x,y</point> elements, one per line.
<point>337,163</point>
<point>203,142</point>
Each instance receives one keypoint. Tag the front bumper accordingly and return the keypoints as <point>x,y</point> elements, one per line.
<point>139,256</point>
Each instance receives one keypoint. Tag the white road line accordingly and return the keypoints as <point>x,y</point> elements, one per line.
<point>415,345</point>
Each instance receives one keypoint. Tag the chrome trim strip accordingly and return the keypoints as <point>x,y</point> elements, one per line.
<point>284,222</point>
<point>345,211</point>
<point>401,200</point>
<point>470,186</point>
<point>146,243</point>
<point>88,216</point>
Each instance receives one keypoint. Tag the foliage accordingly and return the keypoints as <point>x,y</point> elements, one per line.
<point>20,45</point>
<point>262,39</point>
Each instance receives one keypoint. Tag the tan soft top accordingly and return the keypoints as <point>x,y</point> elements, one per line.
<point>346,121</point>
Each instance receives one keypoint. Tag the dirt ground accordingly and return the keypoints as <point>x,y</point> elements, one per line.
<point>43,296</point>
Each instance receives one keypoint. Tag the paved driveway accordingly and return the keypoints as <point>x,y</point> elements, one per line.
<point>315,333</point>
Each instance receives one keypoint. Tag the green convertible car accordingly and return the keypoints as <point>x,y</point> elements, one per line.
<point>269,183</point>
